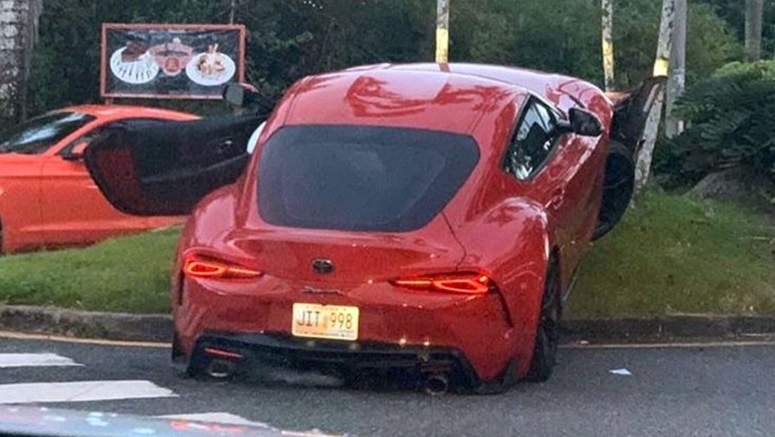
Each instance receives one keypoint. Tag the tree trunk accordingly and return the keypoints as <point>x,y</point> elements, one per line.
<point>608,44</point>
<point>232,11</point>
<point>754,11</point>
<point>442,31</point>
<point>661,67</point>
<point>18,35</point>
<point>677,83</point>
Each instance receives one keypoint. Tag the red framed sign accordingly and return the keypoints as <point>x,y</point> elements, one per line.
<point>170,61</point>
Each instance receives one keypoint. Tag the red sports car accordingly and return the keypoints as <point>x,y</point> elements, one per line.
<point>422,218</point>
<point>47,198</point>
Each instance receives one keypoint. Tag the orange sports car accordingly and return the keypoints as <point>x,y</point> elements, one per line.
<point>47,197</point>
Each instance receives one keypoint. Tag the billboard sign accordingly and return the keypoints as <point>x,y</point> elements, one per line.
<point>167,61</point>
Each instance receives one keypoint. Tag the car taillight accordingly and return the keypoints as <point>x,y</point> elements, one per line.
<point>200,266</point>
<point>464,283</point>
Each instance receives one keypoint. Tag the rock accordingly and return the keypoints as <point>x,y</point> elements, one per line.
<point>735,184</point>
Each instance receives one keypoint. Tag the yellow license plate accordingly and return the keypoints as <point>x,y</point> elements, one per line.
<point>325,321</point>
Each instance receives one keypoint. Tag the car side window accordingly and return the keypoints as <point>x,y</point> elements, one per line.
<point>95,133</point>
<point>533,141</point>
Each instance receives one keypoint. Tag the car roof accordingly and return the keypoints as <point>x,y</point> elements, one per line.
<point>533,80</point>
<point>413,96</point>
<point>125,111</point>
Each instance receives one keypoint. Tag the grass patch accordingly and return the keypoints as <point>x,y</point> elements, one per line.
<point>128,274</point>
<point>674,254</point>
<point>671,254</point>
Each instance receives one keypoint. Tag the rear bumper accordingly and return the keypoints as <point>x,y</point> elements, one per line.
<point>315,355</point>
<point>397,329</point>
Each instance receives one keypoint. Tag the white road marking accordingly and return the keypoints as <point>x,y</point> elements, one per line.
<point>621,372</point>
<point>222,418</point>
<point>35,360</point>
<point>81,391</point>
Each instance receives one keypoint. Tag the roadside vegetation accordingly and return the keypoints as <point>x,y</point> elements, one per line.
<point>677,254</point>
<point>290,39</point>
<point>129,274</point>
<point>671,254</point>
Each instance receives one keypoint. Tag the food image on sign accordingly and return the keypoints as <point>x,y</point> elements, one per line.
<point>133,64</point>
<point>172,57</point>
<point>212,68</point>
<point>135,50</point>
<point>211,63</point>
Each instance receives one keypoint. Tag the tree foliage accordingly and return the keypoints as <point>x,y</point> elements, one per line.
<point>289,39</point>
<point>733,12</point>
<point>730,124</point>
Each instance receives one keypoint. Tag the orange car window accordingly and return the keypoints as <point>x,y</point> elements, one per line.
<point>39,134</point>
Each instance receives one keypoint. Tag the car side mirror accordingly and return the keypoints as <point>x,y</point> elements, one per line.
<point>77,153</point>
<point>240,95</point>
<point>584,123</point>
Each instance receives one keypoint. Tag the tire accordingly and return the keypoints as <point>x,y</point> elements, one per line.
<point>618,188</point>
<point>548,331</point>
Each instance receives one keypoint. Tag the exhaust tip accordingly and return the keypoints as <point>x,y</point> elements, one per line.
<point>436,385</point>
<point>220,369</point>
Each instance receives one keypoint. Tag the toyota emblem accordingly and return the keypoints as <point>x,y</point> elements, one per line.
<point>323,266</point>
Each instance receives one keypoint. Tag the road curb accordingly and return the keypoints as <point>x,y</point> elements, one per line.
<point>680,326</point>
<point>84,324</point>
<point>158,328</point>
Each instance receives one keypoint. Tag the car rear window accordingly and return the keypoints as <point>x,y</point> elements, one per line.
<point>359,178</point>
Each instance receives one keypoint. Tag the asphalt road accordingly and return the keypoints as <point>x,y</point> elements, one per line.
<point>692,391</point>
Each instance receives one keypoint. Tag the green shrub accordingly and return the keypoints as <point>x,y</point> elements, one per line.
<point>731,122</point>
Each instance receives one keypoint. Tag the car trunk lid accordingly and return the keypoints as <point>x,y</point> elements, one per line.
<point>335,257</point>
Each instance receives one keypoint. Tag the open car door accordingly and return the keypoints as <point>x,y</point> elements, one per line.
<point>631,112</point>
<point>165,167</point>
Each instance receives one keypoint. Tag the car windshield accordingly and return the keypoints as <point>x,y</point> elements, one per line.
<point>361,178</point>
<point>41,133</point>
